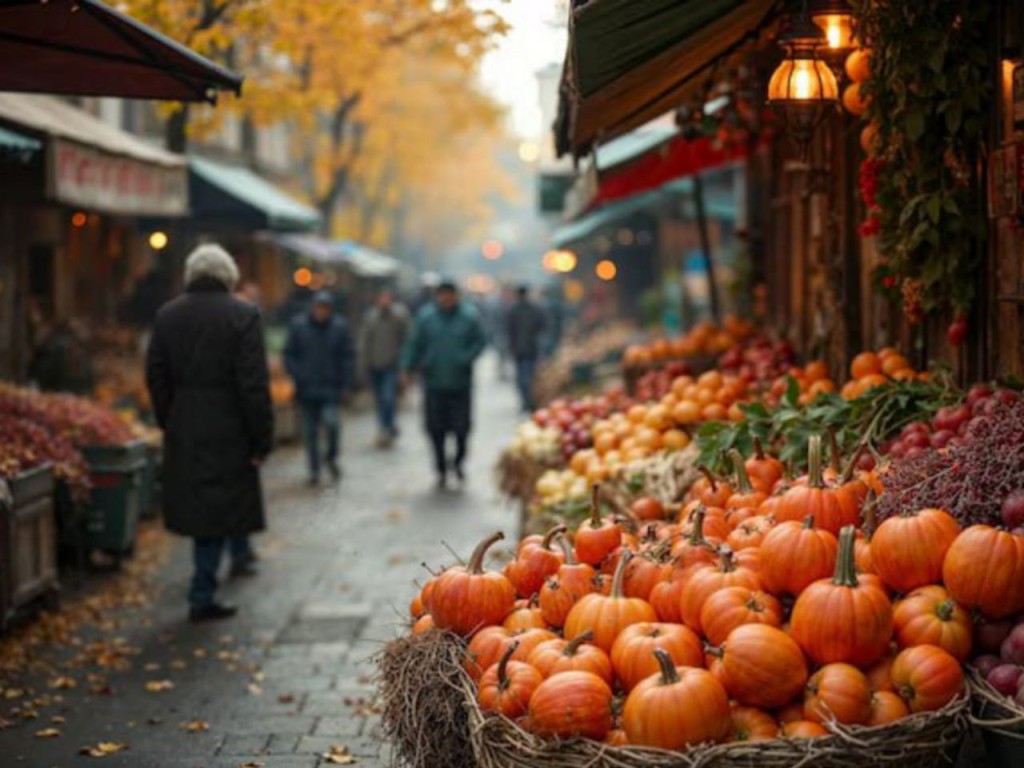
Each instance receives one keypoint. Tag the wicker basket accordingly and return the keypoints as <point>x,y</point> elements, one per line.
<point>1000,721</point>
<point>926,740</point>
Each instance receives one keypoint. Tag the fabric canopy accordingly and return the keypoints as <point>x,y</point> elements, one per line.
<point>361,260</point>
<point>630,61</point>
<point>616,212</point>
<point>84,47</point>
<point>231,196</point>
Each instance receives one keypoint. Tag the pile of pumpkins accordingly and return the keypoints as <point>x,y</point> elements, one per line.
<point>758,612</point>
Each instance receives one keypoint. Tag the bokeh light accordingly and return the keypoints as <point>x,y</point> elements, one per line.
<point>303,277</point>
<point>606,270</point>
<point>158,240</point>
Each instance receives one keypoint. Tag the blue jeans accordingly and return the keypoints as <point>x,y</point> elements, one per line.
<point>385,394</point>
<point>206,555</point>
<point>526,367</point>
<point>317,414</point>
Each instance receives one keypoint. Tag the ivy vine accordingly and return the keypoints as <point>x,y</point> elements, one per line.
<point>928,89</point>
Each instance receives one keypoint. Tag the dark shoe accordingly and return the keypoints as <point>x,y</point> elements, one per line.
<point>442,482</point>
<point>212,612</point>
<point>460,475</point>
<point>334,469</point>
<point>245,569</point>
<point>313,481</point>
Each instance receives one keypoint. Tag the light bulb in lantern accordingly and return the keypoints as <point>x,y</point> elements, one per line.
<point>834,18</point>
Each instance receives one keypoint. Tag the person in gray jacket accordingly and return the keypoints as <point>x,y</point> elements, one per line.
<point>381,340</point>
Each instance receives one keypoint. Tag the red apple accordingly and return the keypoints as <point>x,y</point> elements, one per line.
<point>1005,678</point>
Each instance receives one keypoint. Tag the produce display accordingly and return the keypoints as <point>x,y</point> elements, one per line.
<point>39,427</point>
<point>557,374</point>
<point>702,340</point>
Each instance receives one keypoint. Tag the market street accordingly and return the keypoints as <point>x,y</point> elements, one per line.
<point>289,677</point>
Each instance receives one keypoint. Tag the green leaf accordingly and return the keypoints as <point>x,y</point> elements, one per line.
<point>913,124</point>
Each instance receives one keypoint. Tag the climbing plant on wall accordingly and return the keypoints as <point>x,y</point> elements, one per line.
<point>928,92</point>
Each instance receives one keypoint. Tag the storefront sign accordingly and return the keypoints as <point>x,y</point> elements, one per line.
<point>89,178</point>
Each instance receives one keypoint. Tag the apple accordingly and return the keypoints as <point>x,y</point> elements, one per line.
<point>978,392</point>
<point>941,438</point>
<point>1012,649</point>
<point>986,663</point>
<point>1005,678</point>
<point>1012,510</point>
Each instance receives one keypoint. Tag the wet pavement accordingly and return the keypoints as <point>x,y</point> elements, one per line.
<point>289,679</point>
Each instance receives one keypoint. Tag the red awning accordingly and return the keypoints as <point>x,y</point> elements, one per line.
<point>83,47</point>
<point>676,159</point>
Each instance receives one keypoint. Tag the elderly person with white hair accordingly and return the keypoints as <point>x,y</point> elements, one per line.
<point>207,375</point>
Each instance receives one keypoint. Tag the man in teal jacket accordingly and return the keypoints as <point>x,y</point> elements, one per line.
<point>445,343</point>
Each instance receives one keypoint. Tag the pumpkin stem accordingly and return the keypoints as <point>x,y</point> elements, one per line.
<point>503,665</point>
<point>945,610</point>
<point>846,570</point>
<point>833,445</point>
<point>742,478</point>
<point>669,675</point>
<point>868,514</point>
<point>758,449</point>
<point>852,463</point>
<point>809,522</point>
<point>620,572</point>
<point>697,534</point>
<point>709,476</point>
<point>714,650</point>
<point>476,560</point>
<point>815,477</point>
<point>546,541</point>
<point>595,506</point>
<point>727,558</point>
<point>566,546</point>
<point>573,645</point>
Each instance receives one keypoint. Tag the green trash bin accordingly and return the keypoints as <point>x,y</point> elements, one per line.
<point>148,492</point>
<point>112,517</point>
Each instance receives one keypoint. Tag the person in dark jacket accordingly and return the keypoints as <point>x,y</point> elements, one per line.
<point>381,337</point>
<point>446,341</point>
<point>319,357</point>
<point>206,369</point>
<point>524,326</point>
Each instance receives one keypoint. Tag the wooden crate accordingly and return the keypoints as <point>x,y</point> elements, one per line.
<point>28,537</point>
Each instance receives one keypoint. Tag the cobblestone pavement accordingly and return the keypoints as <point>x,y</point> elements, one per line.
<point>289,678</point>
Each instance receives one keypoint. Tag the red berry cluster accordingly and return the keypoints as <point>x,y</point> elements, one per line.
<point>868,184</point>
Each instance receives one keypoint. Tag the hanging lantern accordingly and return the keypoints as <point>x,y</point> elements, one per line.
<point>803,86</point>
<point>835,19</point>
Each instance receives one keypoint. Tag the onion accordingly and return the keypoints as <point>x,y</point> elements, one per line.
<point>1012,649</point>
<point>990,633</point>
<point>1005,678</point>
<point>985,664</point>
<point>1012,510</point>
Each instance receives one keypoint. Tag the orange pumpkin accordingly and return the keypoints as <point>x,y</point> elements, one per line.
<point>526,616</point>
<point>845,618</point>
<point>576,655</point>
<point>752,724</point>
<point>572,704</point>
<point>659,712</point>
<point>929,616</point>
<point>709,490</point>
<point>862,555</point>
<point>794,555</point>
<point>704,580</point>
<point>533,564</point>
<point>506,687</point>
<point>984,570</point>
<point>732,607</point>
<point>596,538</point>
<point>833,506</point>
<point>791,713</point>
<point>840,692</point>
<point>745,495</point>
<point>607,616</point>
<point>616,738</point>
<point>633,651</point>
<point>886,707</point>
<point>643,573</point>
<point>764,470</point>
<point>560,593</point>
<point>489,645</point>
<point>695,548</point>
<point>466,599</point>
<point>908,550</point>
<point>803,729</point>
<point>880,675</point>
<point>927,677</point>
<point>762,666</point>
<point>423,623</point>
<point>749,533</point>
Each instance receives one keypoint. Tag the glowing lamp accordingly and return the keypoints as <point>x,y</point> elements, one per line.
<point>834,18</point>
<point>606,270</point>
<point>158,240</point>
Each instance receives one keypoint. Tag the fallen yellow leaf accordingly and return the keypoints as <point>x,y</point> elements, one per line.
<point>103,749</point>
<point>63,682</point>
<point>339,755</point>
<point>156,686</point>
<point>195,726</point>
<point>48,733</point>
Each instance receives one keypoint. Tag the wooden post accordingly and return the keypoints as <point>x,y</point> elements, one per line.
<point>705,245</point>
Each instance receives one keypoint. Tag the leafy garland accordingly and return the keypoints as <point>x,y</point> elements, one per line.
<point>928,90</point>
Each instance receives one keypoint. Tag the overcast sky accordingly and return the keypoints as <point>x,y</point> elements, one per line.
<point>509,72</point>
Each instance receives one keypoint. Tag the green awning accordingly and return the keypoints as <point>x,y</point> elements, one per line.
<point>629,61</point>
<point>231,196</point>
<point>610,215</point>
<point>11,141</point>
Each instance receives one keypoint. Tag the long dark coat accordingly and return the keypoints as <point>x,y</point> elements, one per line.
<point>207,376</point>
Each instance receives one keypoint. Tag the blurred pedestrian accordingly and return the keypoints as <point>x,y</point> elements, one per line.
<point>524,326</point>
<point>206,369</point>
<point>446,341</point>
<point>319,357</point>
<point>381,339</point>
